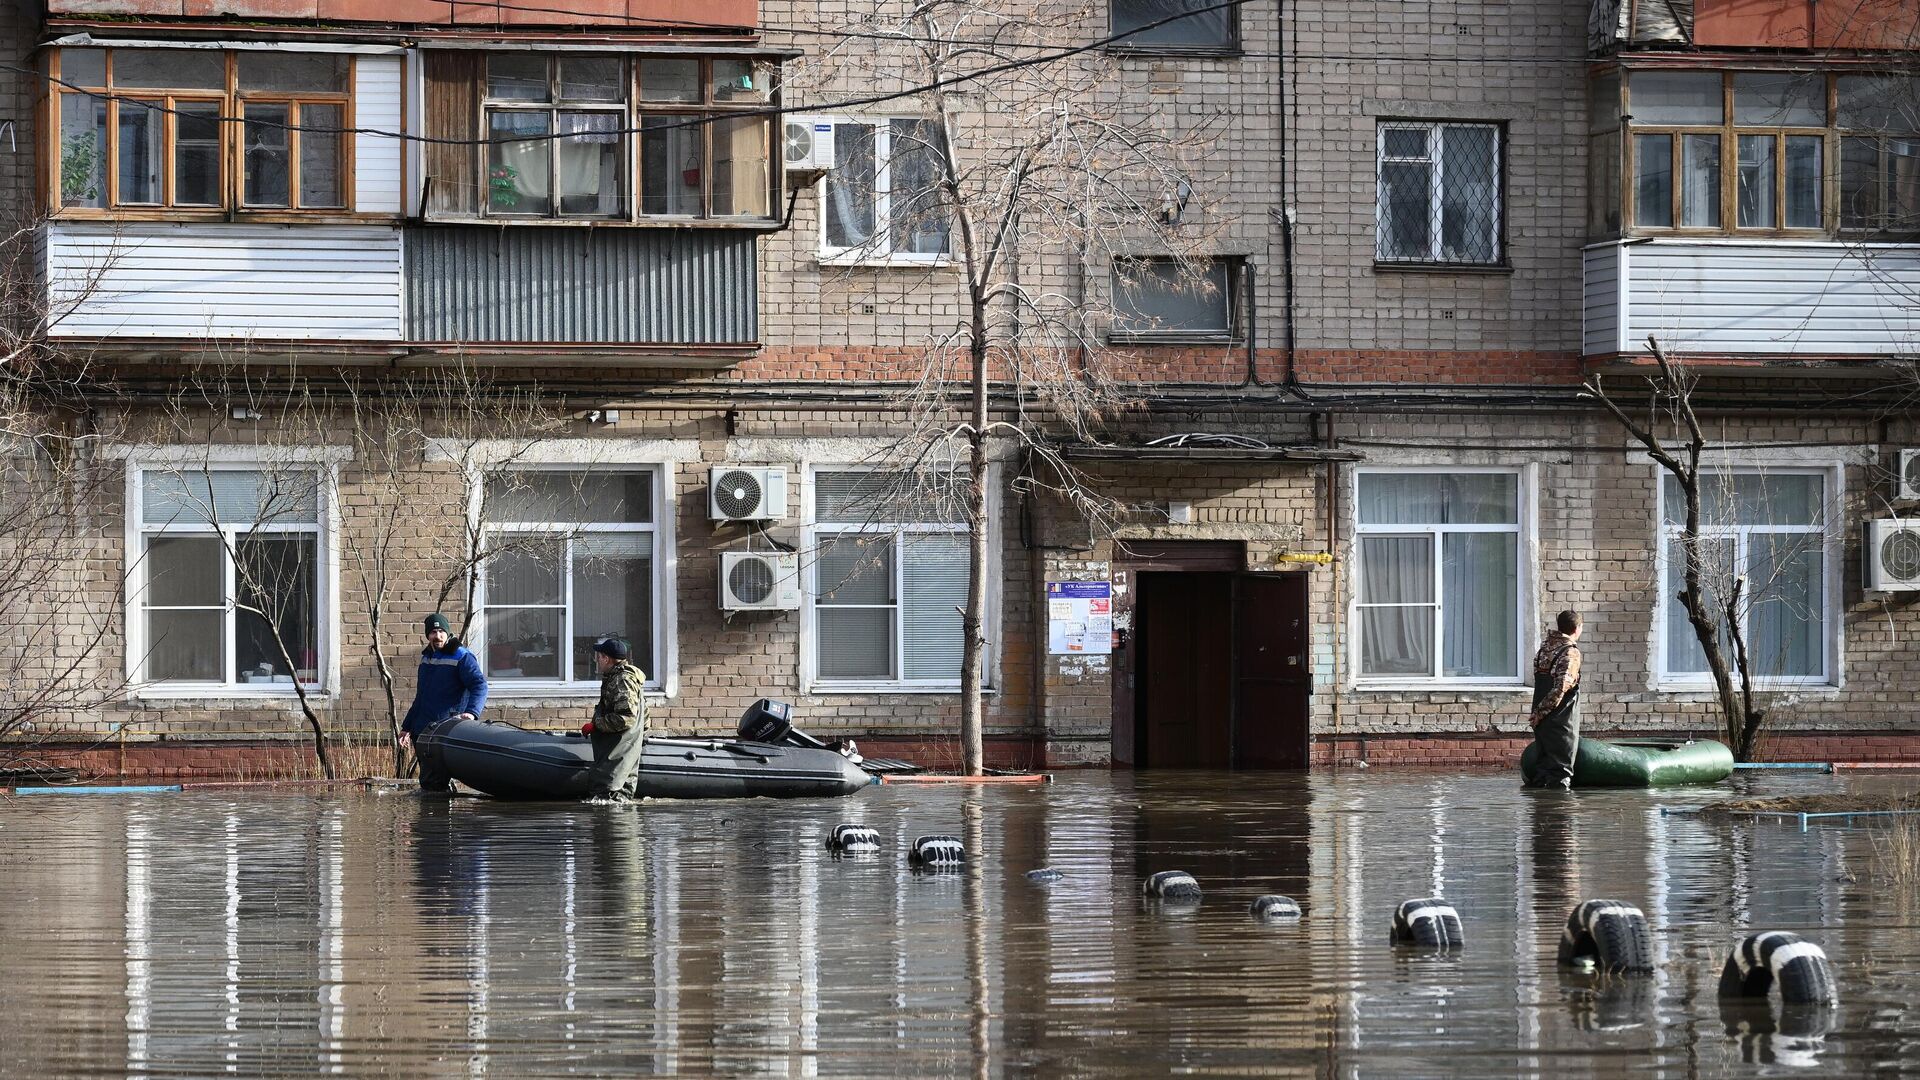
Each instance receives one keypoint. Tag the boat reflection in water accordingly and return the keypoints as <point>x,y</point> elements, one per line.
<point>208,933</point>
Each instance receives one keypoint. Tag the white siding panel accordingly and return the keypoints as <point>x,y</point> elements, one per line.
<point>376,159</point>
<point>290,282</point>
<point>1774,298</point>
<point>1600,328</point>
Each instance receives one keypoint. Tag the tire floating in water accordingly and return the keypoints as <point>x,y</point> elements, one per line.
<point>1430,923</point>
<point>1044,875</point>
<point>1796,965</point>
<point>1175,885</point>
<point>853,839</point>
<point>1275,907</point>
<point>938,852</point>
<point>1612,935</point>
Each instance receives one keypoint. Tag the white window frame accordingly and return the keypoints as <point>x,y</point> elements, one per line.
<point>880,251</point>
<point>1436,191</point>
<point>1832,491</point>
<point>323,461</point>
<point>658,528</point>
<point>1525,530</point>
<point>816,532</point>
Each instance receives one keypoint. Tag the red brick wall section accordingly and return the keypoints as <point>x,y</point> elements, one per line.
<point>1216,365</point>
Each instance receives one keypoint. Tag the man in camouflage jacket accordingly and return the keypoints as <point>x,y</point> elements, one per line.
<point>619,725</point>
<point>1556,690</point>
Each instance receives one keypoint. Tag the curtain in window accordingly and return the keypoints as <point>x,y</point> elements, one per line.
<point>1786,613</point>
<point>517,180</point>
<point>851,210</point>
<point>934,591</point>
<point>243,497</point>
<point>854,608</point>
<point>612,595</point>
<point>1207,29</point>
<point>590,164</point>
<point>1481,571</point>
<point>1396,639</point>
<point>917,215</point>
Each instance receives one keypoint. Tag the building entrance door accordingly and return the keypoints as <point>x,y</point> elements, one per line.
<point>1216,672</point>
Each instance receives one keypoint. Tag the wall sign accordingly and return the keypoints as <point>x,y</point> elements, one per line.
<point>1080,617</point>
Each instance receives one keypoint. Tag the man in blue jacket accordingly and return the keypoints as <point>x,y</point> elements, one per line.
<point>451,684</point>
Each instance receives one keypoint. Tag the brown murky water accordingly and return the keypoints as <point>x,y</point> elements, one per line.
<point>211,933</point>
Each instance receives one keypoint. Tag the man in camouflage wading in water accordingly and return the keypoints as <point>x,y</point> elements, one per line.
<point>619,724</point>
<point>1556,689</point>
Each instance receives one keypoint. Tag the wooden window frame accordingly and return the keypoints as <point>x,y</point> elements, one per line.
<point>1832,136</point>
<point>706,110</point>
<point>232,102</point>
<point>553,107</point>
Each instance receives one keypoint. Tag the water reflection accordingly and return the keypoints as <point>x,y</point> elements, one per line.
<point>288,935</point>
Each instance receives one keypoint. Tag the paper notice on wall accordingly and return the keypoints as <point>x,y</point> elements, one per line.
<point>1080,617</point>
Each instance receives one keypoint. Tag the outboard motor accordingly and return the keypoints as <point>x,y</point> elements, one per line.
<point>767,721</point>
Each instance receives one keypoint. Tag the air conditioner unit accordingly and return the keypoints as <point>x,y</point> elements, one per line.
<point>759,581</point>
<point>746,493</point>
<point>808,145</point>
<point>1892,557</point>
<point>1907,484</point>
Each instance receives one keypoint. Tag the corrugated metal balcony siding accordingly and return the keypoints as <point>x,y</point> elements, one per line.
<point>618,285</point>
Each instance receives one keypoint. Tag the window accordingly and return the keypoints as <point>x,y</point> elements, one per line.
<point>883,197</point>
<point>581,99</point>
<point>1439,575</point>
<point>1879,118</point>
<point>1439,194</point>
<point>889,582</point>
<point>1768,134</point>
<point>1213,31</point>
<point>1162,300</point>
<point>571,558</point>
<point>1768,529</point>
<point>148,129</point>
<point>227,557</point>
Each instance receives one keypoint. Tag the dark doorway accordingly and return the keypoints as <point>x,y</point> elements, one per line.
<point>1215,673</point>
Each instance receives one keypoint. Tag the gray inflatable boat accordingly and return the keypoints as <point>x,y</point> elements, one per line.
<point>509,762</point>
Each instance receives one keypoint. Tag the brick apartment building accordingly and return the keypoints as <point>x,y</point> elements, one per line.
<point>1433,224</point>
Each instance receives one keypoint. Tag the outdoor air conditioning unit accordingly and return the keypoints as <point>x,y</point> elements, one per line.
<point>808,145</point>
<point>752,493</point>
<point>1907,484</point>
<point>1892,557</point>
<point>759,581</point>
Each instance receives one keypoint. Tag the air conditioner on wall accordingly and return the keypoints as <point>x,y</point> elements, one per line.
<point>808,144</point>
<point>1892,556</point>
<point>759,581</point>
<point>746,493</point>
<point>1907,484</point>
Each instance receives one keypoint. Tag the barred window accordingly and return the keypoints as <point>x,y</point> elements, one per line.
<point>1440,198</point>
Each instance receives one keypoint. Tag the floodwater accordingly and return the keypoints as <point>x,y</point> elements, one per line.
<point>212,933</point>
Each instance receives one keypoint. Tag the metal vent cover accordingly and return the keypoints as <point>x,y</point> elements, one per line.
<point>1900,555</point>
<point>738,494</point>
<point>751,581</point>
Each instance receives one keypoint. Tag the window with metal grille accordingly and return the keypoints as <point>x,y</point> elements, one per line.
<point>1440,198</point>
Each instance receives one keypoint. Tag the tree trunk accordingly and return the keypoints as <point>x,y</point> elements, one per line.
<point>973,620</point>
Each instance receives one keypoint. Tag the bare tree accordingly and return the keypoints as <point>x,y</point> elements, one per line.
<point>399,530</point>
<point>1721,593</point>
<point>1028,174</point>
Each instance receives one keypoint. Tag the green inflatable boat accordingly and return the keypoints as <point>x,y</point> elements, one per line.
<point>1645,763</point>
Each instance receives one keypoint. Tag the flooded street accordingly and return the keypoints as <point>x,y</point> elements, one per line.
<point>289,934</point>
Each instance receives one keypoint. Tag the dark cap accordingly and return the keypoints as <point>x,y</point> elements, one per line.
<point>437,621</point>
<point>612,646</point>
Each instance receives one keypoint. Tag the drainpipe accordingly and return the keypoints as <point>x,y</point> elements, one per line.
<point>1339,603</point>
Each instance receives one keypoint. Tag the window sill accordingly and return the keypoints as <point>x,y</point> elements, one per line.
<point>1151,51</point>
<point>1769,686</point>
<point>221,217</point>
<point>885,262</point>
<point>1175,339</point>
<point>829,689</point>
<point>1440,686</point>
<point>212,696</point>
<point>1380,267</point>
<point>729,224</point>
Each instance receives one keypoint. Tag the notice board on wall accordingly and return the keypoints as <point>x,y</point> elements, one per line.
<point>1080,617</point>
